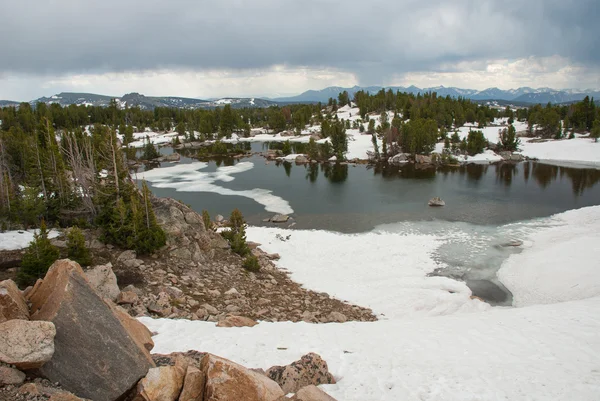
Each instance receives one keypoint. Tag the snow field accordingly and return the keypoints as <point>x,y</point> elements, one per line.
<point>20,239</point>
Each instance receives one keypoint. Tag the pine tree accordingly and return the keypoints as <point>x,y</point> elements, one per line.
<point>508,139</point>
<point>38,258</point>
<point>76,249</point>
<point>313,149</point>
<point>595,133</point>
<point>236,235</point>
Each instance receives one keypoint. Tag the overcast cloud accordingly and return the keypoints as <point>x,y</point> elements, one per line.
<point>269,47</point>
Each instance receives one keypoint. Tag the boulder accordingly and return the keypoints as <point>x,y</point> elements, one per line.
<point>301,159</point>
<point>65,396</point>
<point>26,344</point>
<point>193,385</point>
<point>219,218</point>
<point>400,158</point>
<point>126,255</point>
<point>422,159</point>
<point>161,384</point>
<point>12,302</point>
<point>96,356</point>
<point>310,369</point>
<point>436,202</point>
<point>104,281</point>
<point>10,375</point>
<point>312,393</point>
<point>337,317</point>
<point>127,298</point>
<point>517,157</point>
<point>280,218</point>
<point>226,380</point>
<point>236,321</point>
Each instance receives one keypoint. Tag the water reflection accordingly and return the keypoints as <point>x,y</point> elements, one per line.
<point>335,173</point>
<point>505,173</point>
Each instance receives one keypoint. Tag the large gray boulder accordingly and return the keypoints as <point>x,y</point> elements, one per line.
<point>95,356</point>
<point>26,344</point>
<point>12,302</point>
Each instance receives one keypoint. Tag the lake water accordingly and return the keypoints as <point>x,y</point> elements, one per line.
<point>357,198</point>
<point>487,206</point>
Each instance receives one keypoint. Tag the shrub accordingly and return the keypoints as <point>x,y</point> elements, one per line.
<point>251,263</point>
<point>38,258</point>
<point>206,219</point>
<point>76,249</point>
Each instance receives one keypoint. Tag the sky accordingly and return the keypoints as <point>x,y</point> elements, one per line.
<point>260,48</point>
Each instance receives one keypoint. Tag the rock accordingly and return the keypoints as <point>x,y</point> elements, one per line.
<point>226,380</point>
<point>26,344</point>
<point>436,202</point>
<point>104,281</point>
<point>312,393</point>
<point>236,321</point>
<point>219,218</point>
<point>400,158</point>
<point>65,396</point>
<point>193,385</point>
<point>273,256</point>
<point>505,154</point>
<point>10,376</point>
<point>173,157</point>
<point>161,384</point>
<point>254,245</point>
<point>214,293</point>
<point>96,356</point>
<point>337,317</point>
<point>301,159</point>
<point>12,302</point>
<point>210,309</point>
<point>310,369</point>
<point>127,255</point>
<point>173,292</point>
<point>232,291</point>
<point>422,159</point>
<point>127,298</point>
<point>517,157</point>
<point>140,333</point>
<point>279,218</point>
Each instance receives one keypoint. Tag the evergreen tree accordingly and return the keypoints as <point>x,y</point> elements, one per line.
<point>150,152</point>
<point>313,149</point>
<point>508,139</point>
<point>236,235</point>
<point>251,263</point>
<point>339,140</point>
<point>595,133</point>
<point>476,143</point>
<point>76,249</point>
<point>38,258</point>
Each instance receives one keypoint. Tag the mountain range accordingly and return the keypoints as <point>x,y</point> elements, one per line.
<point>520,96</point>
<point>144,102</point>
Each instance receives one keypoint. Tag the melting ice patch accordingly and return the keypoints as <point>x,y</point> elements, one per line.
<point>190,178</point>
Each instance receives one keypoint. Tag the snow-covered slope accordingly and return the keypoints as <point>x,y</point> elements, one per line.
<point>538,352</point>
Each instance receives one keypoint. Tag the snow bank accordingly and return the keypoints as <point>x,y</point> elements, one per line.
<point>20,239</point>
<point>385,269</point>
<point>544,352</point>
<point>190,178</point>
<point>561,263</point>
<point>573,152</point>
<point>488,156</point>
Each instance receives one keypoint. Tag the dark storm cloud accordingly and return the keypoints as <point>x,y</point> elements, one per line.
<point>373,39</point>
